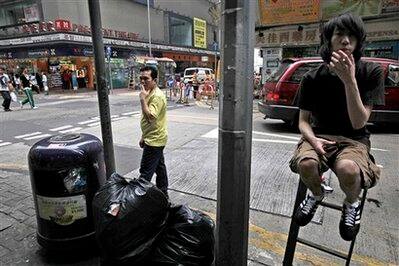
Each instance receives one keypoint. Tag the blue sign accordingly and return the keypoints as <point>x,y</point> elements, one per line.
<point>215,46</point>
<point>108,51</point>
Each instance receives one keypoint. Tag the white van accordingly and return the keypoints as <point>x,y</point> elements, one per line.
<point>201,74</point>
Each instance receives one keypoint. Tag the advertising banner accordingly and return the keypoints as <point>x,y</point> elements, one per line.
<point>363,8</point>
<point>388,6</point>
<point>283,12</point>
<point>200,33</point>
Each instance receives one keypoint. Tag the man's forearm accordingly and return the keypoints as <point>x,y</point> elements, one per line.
<point>357,112</point>
<point>144,108</point>
<point>306,131</point>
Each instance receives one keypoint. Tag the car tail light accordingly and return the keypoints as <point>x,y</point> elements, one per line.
<point>271,96</point>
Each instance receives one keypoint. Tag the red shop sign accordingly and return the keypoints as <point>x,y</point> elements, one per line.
<point>63,25</point>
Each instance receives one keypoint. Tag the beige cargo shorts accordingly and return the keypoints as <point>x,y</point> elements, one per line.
<point>344,148</point>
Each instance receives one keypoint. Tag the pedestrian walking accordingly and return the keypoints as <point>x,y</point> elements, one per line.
<point>39,81</point>
<point>26,87</point>
<point>33,83</point>
<point>5,84</point>
<point>338,98</point>
<point>154,128</point>
<point>74,81</point>
<point>45,84</point>
<point>17,84</point>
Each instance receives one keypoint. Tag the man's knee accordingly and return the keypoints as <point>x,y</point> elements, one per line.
<point>347,171</point>
<point>308,167</point>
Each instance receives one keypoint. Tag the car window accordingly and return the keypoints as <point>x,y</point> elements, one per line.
<point>278,72</point>
<point>301,70</point>
<point>189,72</point>
<point>392,79</point>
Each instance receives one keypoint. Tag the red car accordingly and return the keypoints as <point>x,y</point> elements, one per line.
<point>280,90</point>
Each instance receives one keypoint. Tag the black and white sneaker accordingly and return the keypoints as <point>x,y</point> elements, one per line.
<point>350,221</point>
<point>306,210</point>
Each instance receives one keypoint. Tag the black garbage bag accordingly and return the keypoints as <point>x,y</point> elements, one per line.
<point>187,240</point>
<point>129,216</point>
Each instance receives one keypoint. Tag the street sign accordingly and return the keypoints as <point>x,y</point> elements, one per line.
<point>215,46</point>
<point>108,51</point>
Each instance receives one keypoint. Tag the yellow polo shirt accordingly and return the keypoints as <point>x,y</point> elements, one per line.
<point>155,132</point>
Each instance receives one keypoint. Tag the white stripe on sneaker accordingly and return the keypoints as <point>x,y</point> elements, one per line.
<point>61,128</point>
<point>27,135</point>
<point>38,137</point>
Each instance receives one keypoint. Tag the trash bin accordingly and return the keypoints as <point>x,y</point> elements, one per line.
<point>66,171</point>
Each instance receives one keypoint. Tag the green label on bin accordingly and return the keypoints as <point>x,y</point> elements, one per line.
<point>63,211</point>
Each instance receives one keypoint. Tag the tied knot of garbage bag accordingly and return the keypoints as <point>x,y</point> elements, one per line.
<point>129,216</point>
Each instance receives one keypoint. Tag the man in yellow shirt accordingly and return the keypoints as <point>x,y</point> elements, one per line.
<point>153,128</point>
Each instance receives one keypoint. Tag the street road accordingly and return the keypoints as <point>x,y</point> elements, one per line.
<point>191,157</point>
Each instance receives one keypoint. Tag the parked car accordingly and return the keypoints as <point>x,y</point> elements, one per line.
<point>197,75</point>
<point>278,100</point>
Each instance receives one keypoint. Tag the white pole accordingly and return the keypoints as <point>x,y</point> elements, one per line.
<point>149,27</point>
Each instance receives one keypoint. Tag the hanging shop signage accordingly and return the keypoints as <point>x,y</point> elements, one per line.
<point>389,6</point>
<point>87,40</point>
<point>307,36</point>
<point>62,25</point>
<point>200,33</point>
<point>282,12</point>
<point>333,8</point>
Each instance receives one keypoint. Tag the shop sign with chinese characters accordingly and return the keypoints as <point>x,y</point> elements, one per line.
<point>62,25</point>
<point>288,37</point>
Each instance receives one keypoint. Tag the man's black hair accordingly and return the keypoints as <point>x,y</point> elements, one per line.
<point>348,23</point>
<point>154,71</point>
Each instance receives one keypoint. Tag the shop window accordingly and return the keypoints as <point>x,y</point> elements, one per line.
<point>180,29</point>
<point>18,13</point>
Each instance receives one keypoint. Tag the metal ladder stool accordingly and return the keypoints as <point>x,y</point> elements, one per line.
<point>294,230</point>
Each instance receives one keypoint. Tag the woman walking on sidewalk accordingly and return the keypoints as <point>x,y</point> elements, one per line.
<point>27,89</point>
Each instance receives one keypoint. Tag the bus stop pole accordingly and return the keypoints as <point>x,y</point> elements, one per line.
<point>102,92</point>
<point>235,132</point>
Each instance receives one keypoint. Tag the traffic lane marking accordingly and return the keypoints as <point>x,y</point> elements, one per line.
<point>4,143</point>
<point>214,134</point>
<point>27,135</point>
<point>70,130</point>
<point>38,137</point>
<point>61,128</point>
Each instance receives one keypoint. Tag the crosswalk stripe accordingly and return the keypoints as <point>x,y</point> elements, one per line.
<point>38,137</point>
<point>4,143</point>
<point>118,118</point>
<point>131,113</point>
<point>70,130</point>
<point>60,128</point>
<point>94,124</point>
<point>114,116</point>
<point>87,122</point>
<point>27,135</point>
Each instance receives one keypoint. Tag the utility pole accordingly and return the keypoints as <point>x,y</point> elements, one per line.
<point>149,27</point>
<point>102,92</point>
<point>235,132</point>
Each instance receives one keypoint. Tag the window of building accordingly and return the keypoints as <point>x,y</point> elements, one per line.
<point>19,13</point>
<point>180,30</point>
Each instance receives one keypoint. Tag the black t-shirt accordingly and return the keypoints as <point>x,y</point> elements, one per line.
<point>323,94</point>
<point>25,81</point>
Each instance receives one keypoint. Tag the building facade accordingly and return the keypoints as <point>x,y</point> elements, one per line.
<point>292,28</point>
<point>55,35</point>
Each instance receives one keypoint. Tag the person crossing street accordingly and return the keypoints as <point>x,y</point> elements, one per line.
<point>5,83</point>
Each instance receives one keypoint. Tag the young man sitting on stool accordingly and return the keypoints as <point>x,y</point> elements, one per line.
<point>335,102</point>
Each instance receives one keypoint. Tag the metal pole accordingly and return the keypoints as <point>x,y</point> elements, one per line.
<point>110,74</point>
<point>235,132</point>
<point>149,26</point>
<point>103,102</point>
